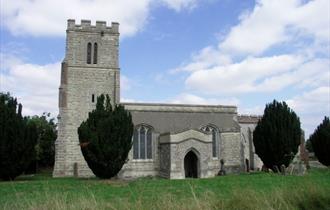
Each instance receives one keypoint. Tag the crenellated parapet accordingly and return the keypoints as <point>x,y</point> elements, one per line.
<point>100,26</point>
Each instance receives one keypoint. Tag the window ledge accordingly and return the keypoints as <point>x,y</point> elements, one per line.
<point>142,160</point>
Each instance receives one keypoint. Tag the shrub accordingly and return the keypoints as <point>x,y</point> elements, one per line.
<point>106,138</point>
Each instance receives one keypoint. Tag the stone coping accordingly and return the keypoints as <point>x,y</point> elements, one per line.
<point>184,136</point>
<point>248,119</point>
<point>162,107</point>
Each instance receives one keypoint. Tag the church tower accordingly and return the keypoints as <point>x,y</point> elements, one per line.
<point>90,68</point>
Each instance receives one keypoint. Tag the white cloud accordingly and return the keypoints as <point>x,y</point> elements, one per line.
<point>256,110</point>
<point>311,106</point>
<point>249,59</point>
<point>314,101</point>
<point>208,57</point>
<point>187,98</point>
<point>48,17</point>
<point>35,86</point>
<point>251,75</point>
<point>293,24</point>
<point>274,22</point>
<point>178,5</point>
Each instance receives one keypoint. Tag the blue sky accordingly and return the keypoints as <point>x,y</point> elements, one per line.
<point>229,52</point>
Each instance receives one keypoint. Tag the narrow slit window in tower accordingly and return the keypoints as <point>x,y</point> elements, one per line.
<point>89,53</point>
<point>95,54</point>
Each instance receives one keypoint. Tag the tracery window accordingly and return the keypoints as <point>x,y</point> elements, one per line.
<point>215,139</point>
<point>142,142</point>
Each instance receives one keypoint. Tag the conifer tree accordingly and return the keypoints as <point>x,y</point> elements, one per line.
<point>17,138</point>
<point>320,140</point>
<point>277,135</point>
<point>106,138</point>
<point>309,146</point>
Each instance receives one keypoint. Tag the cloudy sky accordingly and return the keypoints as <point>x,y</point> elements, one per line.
<point>229,52</point>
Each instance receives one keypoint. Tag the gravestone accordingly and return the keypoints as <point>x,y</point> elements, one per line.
<point>222,171</point>
<point>283,169</point>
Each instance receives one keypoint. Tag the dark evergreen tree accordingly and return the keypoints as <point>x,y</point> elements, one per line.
<point>309,146</point>
<point>277,135</point>
<point>17,138</point>
<point>106,138</point>
<point>320,140</point>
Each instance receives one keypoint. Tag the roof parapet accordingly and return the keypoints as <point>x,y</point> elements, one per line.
<point>87,26</point>
<point>249,119</point>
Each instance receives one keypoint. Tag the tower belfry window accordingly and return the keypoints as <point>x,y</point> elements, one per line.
<point>95,54</point>
<point>89,53</point>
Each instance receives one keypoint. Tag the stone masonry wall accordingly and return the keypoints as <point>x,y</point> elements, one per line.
<point>79,82</point>
<point>165,160</point>
<point>231,151</point>
<point>248,146</point>
<point>142,167</point>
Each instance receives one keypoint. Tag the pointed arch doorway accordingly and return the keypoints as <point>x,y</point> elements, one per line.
<point>191,165</point>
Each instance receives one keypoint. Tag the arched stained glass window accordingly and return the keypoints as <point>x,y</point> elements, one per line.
<point>136,144</point>
<point>89,53</point>
<point>214,143</point>
<point>142,142</point>
<point>149,144</point>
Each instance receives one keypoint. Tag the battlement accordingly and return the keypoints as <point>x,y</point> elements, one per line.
<point>100,26</point>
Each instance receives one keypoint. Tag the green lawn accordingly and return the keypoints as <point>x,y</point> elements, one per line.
<point>245,191</point>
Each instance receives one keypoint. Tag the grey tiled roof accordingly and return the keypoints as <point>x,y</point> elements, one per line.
<point>177,118</point>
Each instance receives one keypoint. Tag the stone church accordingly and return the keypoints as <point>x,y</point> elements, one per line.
<point>174,141</point>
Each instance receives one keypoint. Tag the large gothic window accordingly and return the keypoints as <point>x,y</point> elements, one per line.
<point>89,53</point>
<point>215,139</point>
<point>95,54</point>
<point>142,142</point>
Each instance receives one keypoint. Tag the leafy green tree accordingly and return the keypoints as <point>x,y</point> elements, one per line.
<point>277,135</point>
<point>106,138</point>
<point>320,140</point>
<point>17,138</point>
<point>45,147</point>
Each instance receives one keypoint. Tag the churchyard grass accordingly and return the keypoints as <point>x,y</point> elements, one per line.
<point>244,191</point>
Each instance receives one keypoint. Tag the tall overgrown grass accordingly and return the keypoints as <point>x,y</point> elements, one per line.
<point>301,198</point>
<point>257,191</point>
